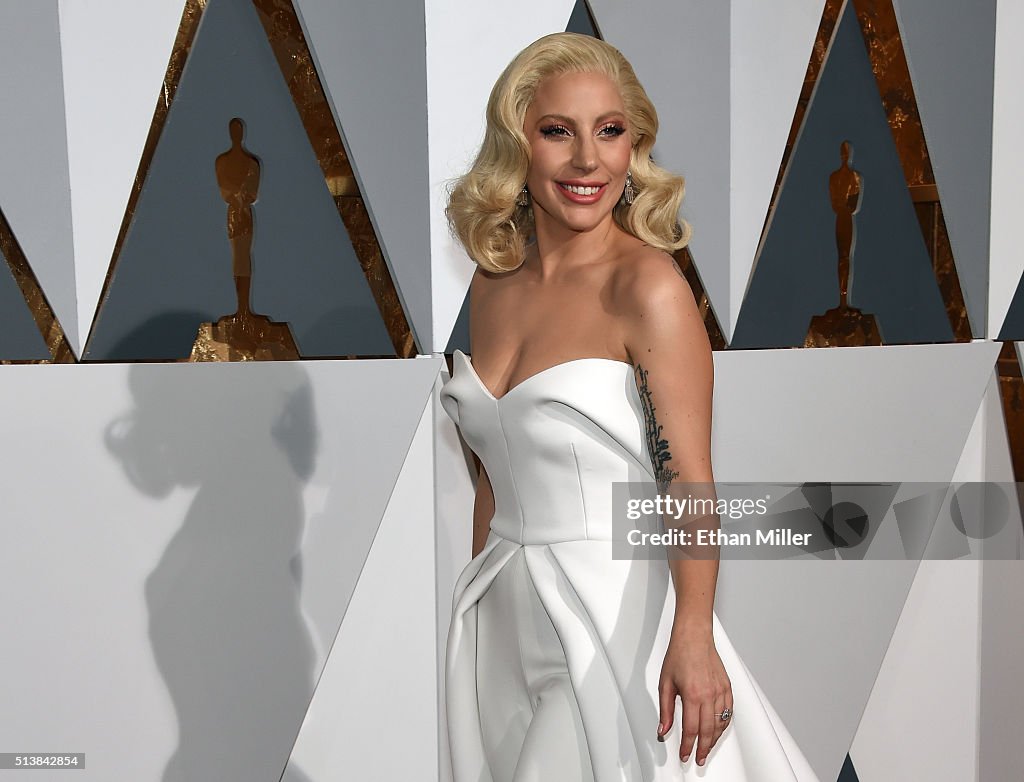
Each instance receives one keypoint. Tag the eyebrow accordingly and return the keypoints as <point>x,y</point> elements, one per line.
<point>571,121</point>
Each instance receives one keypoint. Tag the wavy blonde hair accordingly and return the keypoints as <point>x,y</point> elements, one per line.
<point>482,209</point>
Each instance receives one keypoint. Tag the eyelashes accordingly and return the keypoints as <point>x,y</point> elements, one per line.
<point>612,130</point>
<point>554,130</point>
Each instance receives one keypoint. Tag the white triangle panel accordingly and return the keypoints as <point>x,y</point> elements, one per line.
<point>930,668</point>
<point>770,46</point>
<point>34,190</point>
<point>379,684</point>
<point>115,55</point>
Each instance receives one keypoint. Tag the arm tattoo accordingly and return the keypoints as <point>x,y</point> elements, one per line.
<point>656,444</point>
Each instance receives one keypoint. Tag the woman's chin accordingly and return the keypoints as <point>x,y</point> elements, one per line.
<point>578,220</point>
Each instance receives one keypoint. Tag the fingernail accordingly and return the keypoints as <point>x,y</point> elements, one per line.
<point>686,757</point>
<point>700,762</point>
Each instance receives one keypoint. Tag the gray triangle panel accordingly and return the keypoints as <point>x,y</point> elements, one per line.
<point>175,267</point>
<point>796,275</point>
<point>848,773</point>
<point>1013,325</point>
<point>582,21</point>
<point>460,332</point>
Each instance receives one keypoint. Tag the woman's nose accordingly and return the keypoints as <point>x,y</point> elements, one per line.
<point>585,155</point>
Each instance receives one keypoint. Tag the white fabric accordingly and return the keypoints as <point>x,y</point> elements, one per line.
<point>552,447</point>
<point>532,728</point>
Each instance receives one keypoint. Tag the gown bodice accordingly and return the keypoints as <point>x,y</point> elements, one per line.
<point>553,445</point>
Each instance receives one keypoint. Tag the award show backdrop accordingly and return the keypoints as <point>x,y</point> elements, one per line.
<point>233,511</point>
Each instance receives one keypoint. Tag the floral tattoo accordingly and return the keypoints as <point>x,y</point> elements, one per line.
<point>656,444</point>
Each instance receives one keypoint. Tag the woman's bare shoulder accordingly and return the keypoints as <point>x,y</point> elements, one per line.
<point>646,277</point>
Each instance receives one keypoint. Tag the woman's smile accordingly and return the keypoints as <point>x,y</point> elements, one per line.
<point>582,193</point>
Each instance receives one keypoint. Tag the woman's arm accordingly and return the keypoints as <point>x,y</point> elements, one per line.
<point>671,353</point>
<point>483,508</point>
<point>674,371</point>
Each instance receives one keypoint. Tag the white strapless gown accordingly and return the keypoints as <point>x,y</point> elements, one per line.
<point>552,446</point>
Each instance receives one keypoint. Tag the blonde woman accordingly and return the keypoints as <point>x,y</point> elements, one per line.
<point>590,366</point>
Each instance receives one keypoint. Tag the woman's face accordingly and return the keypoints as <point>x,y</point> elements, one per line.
<point>580,143</point>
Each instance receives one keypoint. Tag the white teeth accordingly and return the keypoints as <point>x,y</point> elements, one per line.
<point>581,190</point>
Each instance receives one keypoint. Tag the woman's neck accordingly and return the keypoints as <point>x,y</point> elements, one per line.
<point>558,247</point>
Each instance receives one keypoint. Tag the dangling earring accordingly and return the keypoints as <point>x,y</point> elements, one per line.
<point>523,199</point>
<point>629,193</point>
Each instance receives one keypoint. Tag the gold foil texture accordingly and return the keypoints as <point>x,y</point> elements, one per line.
<point>293,56</point>
<point>711,325</point>
<point>42,313</point>
<point>889,62</point>
<point>1011,388</point>
<point>877,20</point>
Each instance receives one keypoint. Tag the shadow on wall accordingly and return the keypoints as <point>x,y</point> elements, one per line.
<point>228,633</point>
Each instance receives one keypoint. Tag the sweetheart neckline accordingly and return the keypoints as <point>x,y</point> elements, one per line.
<point>472,370</point>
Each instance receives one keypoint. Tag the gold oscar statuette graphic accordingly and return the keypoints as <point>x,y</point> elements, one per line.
<point>244,335</point>
<point>844,326</point>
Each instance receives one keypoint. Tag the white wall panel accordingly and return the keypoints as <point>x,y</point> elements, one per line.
<point>1002,615</point>
<point>897,412</point>
<point>837,415</point>
<point>1000,755</point>
<point>184,538</point>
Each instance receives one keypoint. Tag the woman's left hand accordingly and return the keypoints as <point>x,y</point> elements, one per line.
<point>693,671</point>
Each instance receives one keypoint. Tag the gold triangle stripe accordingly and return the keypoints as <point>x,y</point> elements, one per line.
<point>36,301</point>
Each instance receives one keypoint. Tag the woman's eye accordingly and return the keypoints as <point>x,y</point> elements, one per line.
<point>612,130</point>
<point>555,130</point>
